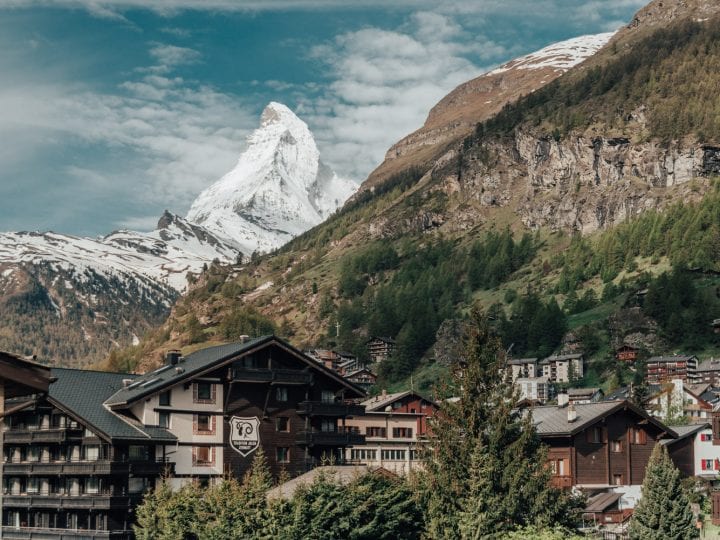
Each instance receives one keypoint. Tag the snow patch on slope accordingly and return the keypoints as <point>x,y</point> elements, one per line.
<point>561,56</point>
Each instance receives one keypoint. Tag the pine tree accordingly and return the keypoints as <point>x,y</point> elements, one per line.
<point>508,485</point>
<point>664,509</point>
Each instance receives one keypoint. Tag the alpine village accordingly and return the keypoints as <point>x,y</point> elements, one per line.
<point>509,330</point>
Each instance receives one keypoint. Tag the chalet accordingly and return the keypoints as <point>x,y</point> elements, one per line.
<point>82,456</point>
<point>664,368</point>
<point>626,353</point>
<point>563,368</point>
<point>380,348</point>
<point>362,378</point>
<point>584,395</point>
<point>599,446</point>
<point>329,359</point>
<point>348,362</point>
<point>604,508</point>
<point>534,389</point>
<point>523,368</point>
<point>708,371</point>
<point>393,425</point>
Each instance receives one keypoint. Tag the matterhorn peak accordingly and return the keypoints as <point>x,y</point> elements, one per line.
<point>279,188</point>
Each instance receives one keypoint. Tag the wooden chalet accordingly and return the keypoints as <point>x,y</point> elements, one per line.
<point>598,445</point>
<point>708,371</point>
<point>380,348</point>
<point>626,353</point>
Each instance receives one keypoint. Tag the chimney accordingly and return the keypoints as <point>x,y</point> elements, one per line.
<point>383,393</point>
<point>563,399</point>
<point>244,338</point>
<point>173,357</point>
<point>126,382</point>
<point>572,413</point>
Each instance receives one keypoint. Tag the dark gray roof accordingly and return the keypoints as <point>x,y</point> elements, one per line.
<point>601,502</point>
<point>205,360</point>
<point>521,361</point>
<point>665,359</point>
<point>582,391</point>
<point>624,392</point>
<point>684,431</point>
<point>553,420</point>
<point>81,393</point>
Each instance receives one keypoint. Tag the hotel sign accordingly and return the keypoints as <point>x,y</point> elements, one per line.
<point>244,434</point>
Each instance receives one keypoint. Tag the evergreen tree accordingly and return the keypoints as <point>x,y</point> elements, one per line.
<point>508,485</point>
<point>664,508</point>
<point>168,515</point>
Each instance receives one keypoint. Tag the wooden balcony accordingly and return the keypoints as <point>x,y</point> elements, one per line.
<point>37,533</point>
<point>329,438</point>
<point>72,502</point>
<point>101,467</point>
<point>51,435</point>
<point>339,410</point>
<point>562,482</point>
<point>273,376</point>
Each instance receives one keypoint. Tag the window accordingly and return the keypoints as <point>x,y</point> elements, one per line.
<point>165,399</point>
<point>393,455</point>
<point>363,455</point>
<point>92,453</point>
<point>616,446</point>
<point>203,456</point>
<point>204,392</point>
<point>92,485</point>
<point>376,432</point>
<point>328,426</point>
<point>33,453</point>
<point>705,437</point>
<point>706,464</point>
<point>282,423</point>
<point>618,479</point>
<point>396,405</point>
<point>402,433</point>
<point>281,393</point>
<point>595,435</point>
<point>327,396</point>
<point>33,485</point>
<point>638,436</point>
<point>164,419</point>
<point>137,485</point>
<point>415,455</point>
<point>204,424</point>
<point>138,453</point>
<point>283,454</point>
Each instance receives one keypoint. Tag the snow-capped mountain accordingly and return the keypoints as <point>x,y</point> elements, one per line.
<point>278,189</point>
<point>70,299</point>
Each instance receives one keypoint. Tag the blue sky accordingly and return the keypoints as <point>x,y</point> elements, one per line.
<point>113,110</point>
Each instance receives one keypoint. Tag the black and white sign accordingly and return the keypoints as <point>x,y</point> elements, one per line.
<point>244,434</point>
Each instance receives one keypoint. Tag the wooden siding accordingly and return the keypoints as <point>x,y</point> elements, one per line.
<point>683,455</point>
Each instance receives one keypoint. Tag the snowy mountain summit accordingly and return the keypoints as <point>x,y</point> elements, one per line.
<point>279,188</point>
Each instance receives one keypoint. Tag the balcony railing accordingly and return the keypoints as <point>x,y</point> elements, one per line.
<point>66,501</point>
<point>561,481</point>
<point>100,467</point>
<point>329,438</point>
<point>49,435</point>
<point>320,408</point>
<point>38,533</point>
<point>278,376</point>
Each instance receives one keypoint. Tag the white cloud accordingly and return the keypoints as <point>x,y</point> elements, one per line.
<point>138,223</point>
<point>385,82</point>
<point>172,55</point>
<point>160,138</point>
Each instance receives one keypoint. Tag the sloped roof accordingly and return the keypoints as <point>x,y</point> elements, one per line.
<point>601,502</point>
<point>553,420</point>
<point>684,432</point>
<point>206,360</point>
<point>522,361</point>
<point>81,394</point>
<point>21,377</point>
<point>575,392</point>
<point>378,403</point>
